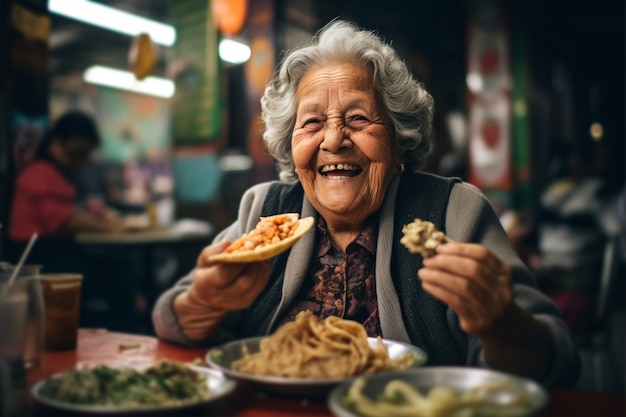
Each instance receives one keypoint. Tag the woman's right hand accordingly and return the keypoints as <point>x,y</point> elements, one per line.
<point>227,286</point>
<point>217,288</point>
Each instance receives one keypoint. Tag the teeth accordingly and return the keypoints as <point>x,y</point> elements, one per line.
<point>339,167</point>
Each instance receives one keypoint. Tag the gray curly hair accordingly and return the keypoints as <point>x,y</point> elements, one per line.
<point>408,105</point>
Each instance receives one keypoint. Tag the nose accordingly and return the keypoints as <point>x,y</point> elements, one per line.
<point>336,139</point>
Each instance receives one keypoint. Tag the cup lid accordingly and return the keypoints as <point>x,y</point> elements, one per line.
<point>7,267</point>
<point>61,277</point>
<point>27,271</point>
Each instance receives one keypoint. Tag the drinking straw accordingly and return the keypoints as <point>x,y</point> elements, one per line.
<point>18,267</point>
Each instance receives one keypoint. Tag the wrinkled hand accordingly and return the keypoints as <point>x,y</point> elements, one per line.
<point>472,281</point>
<point>227,286</point>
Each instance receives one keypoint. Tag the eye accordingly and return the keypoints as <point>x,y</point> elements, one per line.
<point>312,123</point>
<point>357,121</point>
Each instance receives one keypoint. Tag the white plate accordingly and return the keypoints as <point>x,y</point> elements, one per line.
<point>221,358</point>
<point>458,378</point>
<point>219,386</point>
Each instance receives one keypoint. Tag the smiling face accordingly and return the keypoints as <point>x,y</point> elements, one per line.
<point>342,144</point>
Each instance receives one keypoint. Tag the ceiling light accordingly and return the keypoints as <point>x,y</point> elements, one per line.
<point>596,130</point>
<point>474,82</point>
<point>236,162</point>
<point>233,51</point>
<point>114,19</point>
<point>125,80</point>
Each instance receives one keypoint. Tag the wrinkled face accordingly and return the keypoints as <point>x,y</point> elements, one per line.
<point>342,145</point>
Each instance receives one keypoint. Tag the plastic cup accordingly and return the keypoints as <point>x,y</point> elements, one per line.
<point>61,298</point>
<point>13,317</point>
<point>34,342</point>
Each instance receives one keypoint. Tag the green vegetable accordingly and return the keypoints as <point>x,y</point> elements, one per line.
<point>164,383</point>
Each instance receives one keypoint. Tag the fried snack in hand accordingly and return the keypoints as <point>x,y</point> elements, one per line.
<point>421,236</point>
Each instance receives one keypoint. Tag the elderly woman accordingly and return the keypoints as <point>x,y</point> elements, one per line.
<point>350,129</point>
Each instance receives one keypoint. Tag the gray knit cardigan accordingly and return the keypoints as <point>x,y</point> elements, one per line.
<point>468,218</point>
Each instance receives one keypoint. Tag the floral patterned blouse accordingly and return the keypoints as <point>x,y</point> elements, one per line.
<point>342,285</point>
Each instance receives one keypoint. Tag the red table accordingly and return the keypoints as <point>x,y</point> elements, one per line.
<point>103,347</point>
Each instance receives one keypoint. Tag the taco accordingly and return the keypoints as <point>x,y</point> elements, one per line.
<point>271,236</point>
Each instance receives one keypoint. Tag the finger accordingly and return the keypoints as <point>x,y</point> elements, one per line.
<point>217,275</point>
<point>455,301</point>
<point>471,261</point>
<point>464,269</point>
<point>257,281</point>
<point>474,251</point>
<point>243,290</point>
<point>231,277</point>
<point>457,287</point>
<point>475,315</point>
<point>211,250</point>
<point>490,287</point>
<point>252,278</point>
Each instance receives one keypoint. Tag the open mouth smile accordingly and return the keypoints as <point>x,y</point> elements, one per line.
<point>340,170</point>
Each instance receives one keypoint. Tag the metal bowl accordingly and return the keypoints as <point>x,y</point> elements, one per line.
<point>221,358</point>
<point>460,379</point>
<point>219,387</point>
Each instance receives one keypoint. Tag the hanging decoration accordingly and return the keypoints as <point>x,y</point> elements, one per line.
<point>197,105</point>
<point>489,87</point>
<point>258,71</point>
<point>230,15</point>
<point>142,56</point>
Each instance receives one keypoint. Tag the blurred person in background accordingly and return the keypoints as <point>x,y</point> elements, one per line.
<point>565,237</point>
<point>44,202</point>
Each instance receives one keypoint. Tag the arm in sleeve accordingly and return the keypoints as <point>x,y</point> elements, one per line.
<point>471,218</point>
<point>164,317</point>
<point>52,195</point>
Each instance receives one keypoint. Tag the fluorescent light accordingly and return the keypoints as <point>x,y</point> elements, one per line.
<point>230,163</point>
<point>234,52</point>
<point>114,19</point>
<point>125,80</point>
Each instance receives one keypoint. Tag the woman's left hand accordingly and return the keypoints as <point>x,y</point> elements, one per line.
<point>472,281</point>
